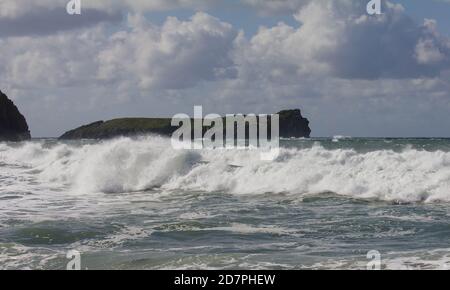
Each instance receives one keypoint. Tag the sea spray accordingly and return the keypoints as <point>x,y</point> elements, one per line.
<point>125,165</point>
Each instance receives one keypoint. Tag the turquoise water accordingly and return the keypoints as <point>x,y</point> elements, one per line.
<point>138,204</point>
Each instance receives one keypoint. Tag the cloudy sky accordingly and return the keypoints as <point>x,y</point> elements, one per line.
<point>351,74</point>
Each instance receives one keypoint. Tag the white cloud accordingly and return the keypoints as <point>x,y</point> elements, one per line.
<point>177,55</point>
<point>56,60</point>
<point>432,48</point>
<point>336,39</point>
<point>428,53</point>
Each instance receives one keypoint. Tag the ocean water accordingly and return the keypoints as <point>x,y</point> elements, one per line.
<point>139,204</point>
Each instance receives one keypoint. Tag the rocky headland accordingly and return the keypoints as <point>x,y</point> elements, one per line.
<point>13,126</point>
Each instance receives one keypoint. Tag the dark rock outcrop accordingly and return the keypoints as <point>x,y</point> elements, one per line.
<point>292,124</point>
<point>13,126</point>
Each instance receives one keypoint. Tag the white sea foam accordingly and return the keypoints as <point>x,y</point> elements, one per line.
<point>125,165</point>
<point>437,259</point>
<point>337,138</point>
<point>247,229</point>
<point>16,256</point>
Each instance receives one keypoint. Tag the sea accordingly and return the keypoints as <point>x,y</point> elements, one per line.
<point>137,203</point>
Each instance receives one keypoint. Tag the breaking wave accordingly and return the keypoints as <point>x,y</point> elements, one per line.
<point>128,165</point>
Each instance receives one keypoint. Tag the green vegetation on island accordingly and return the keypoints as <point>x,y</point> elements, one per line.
<point>292,124</point>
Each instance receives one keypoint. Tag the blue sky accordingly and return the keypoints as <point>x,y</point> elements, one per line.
<point>421,9</point>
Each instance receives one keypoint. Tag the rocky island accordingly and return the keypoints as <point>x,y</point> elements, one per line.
<point>292,124</point>
<point>13,126</point>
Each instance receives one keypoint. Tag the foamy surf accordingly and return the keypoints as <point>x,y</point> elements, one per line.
<point>131,165</point>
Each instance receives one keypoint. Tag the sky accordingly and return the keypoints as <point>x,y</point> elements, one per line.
<point>350,73</point>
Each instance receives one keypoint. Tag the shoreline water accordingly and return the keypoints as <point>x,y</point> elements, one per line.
<point>136,204</point>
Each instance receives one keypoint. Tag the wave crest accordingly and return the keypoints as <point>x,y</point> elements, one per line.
<point>124,165</point>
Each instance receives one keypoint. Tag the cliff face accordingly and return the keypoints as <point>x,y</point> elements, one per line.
<point>292,124</point>
<point>13,126</point>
